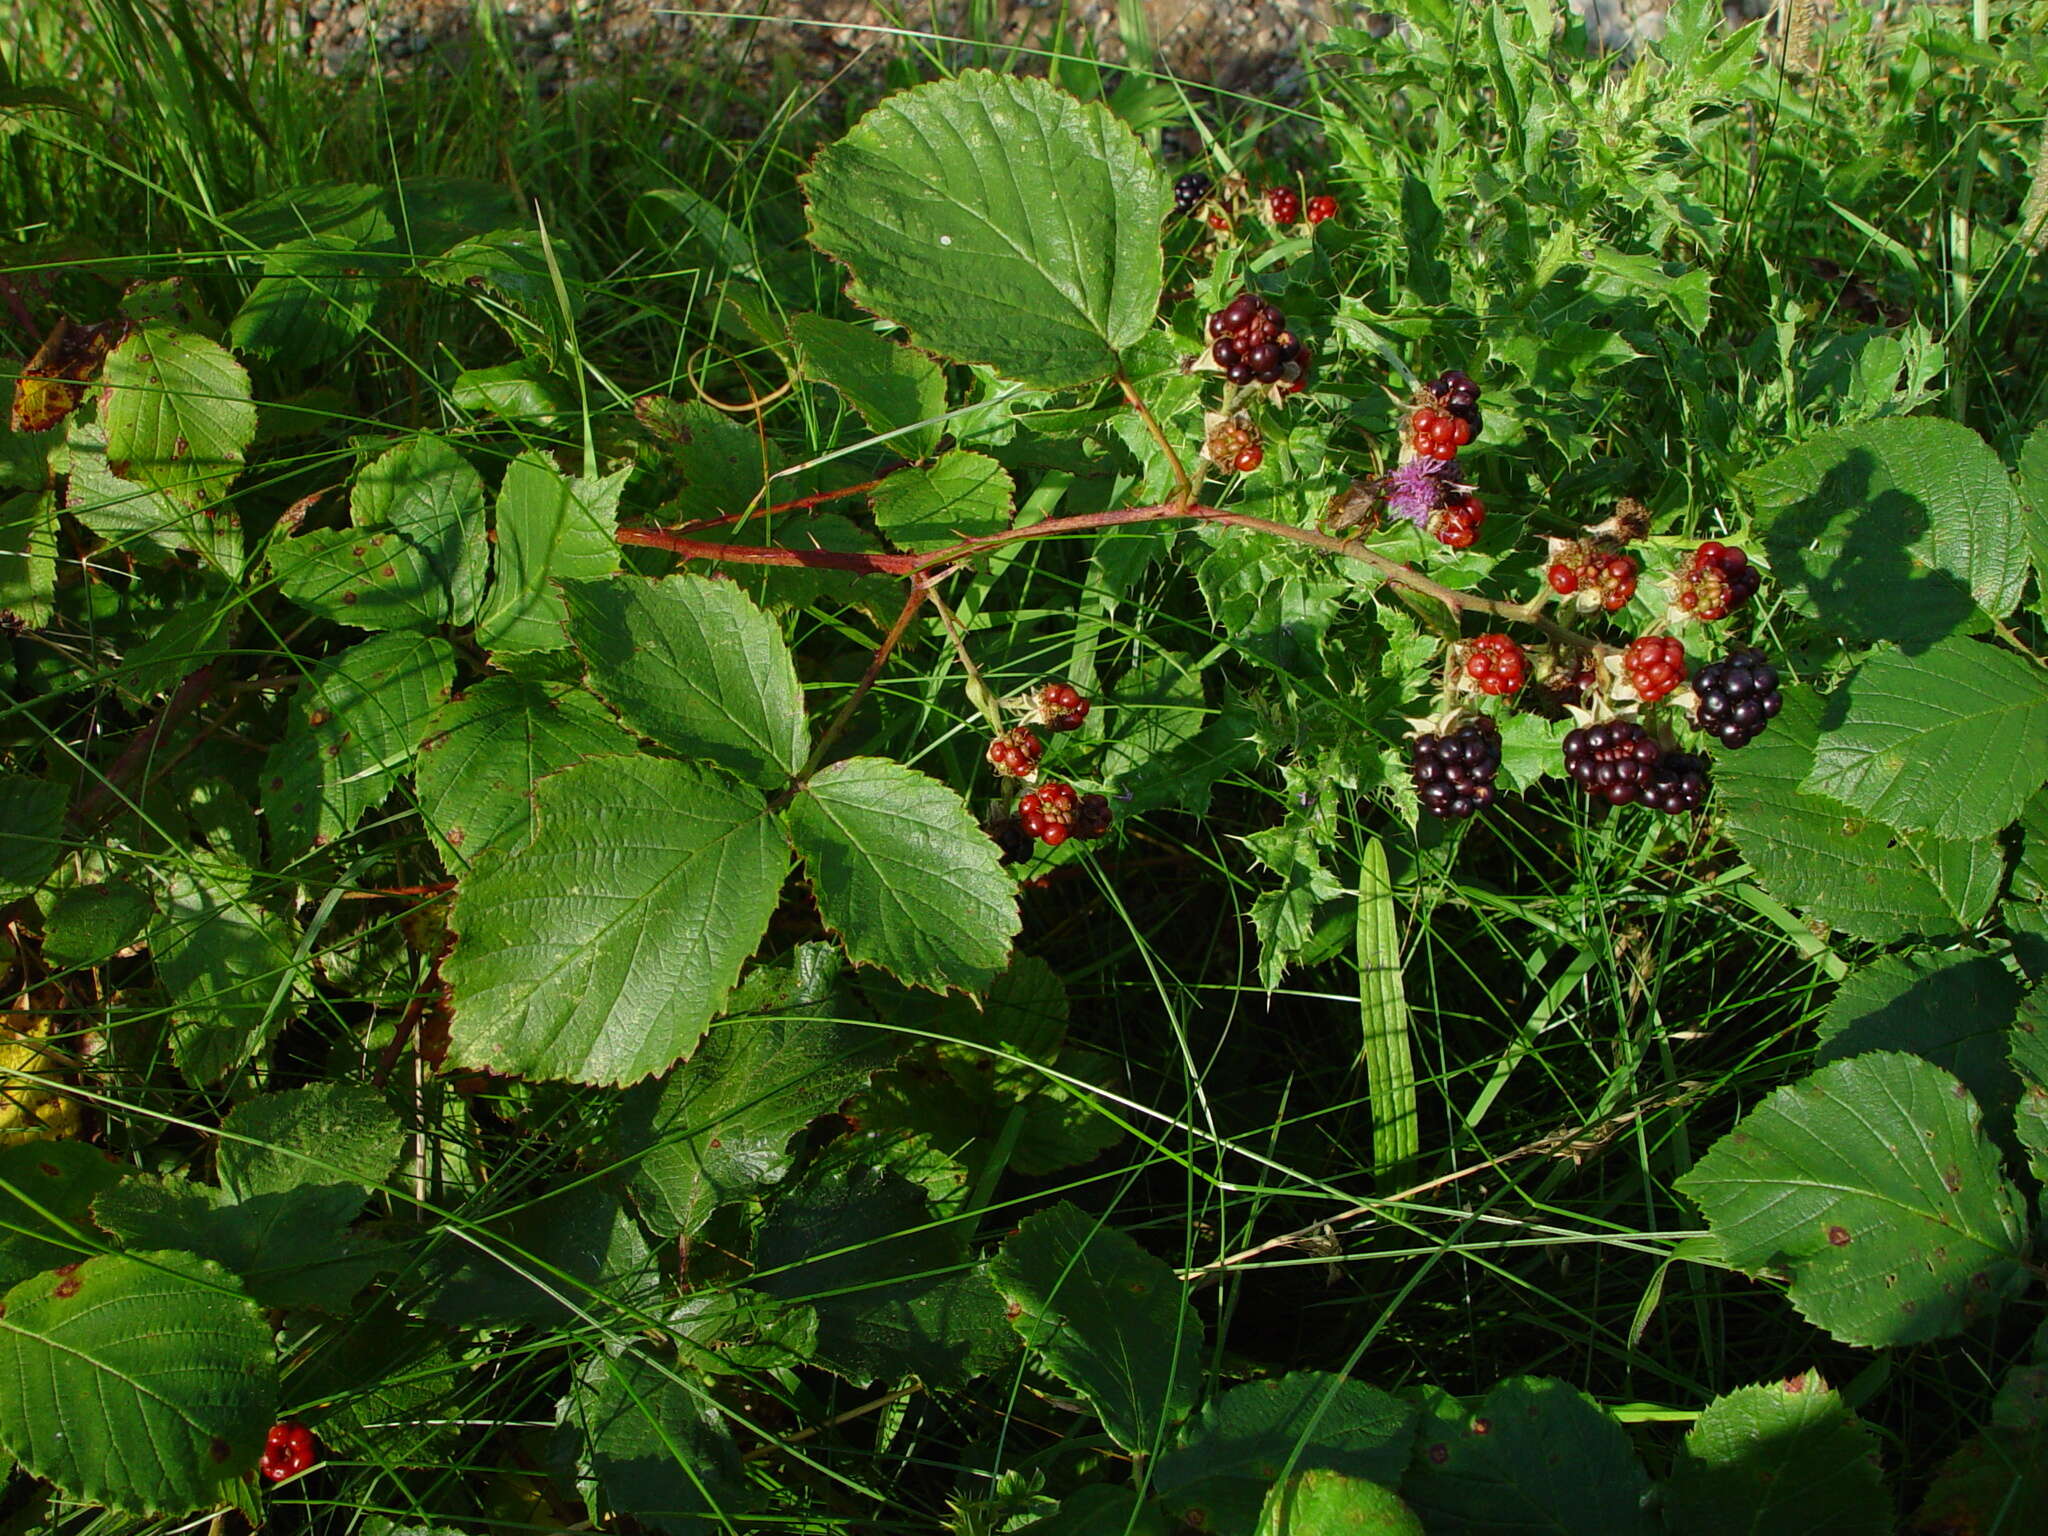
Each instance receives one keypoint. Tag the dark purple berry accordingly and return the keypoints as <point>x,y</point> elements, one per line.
<point>1677,784</point>
<point>1613,761</point>
<point>1189,191</point>
<point>1737,697</point>
<point>1454,774</point>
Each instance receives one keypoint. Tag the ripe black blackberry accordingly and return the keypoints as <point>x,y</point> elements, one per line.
<point>1459,396</point>
<point>1009,835</point>
<point>1454,774</point>
<point>1249,339</point>
<point>1611,762</point>
<point>1189,191</point>
<point>1678,783</point>
<point>1092,816</point>
<point>1737,697</point>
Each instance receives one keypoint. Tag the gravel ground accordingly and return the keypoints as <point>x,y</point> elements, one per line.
<point>1244,45</point>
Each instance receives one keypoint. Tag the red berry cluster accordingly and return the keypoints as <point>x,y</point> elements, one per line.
<point>1283,205</point>
<point>1655,665</point>
<point>1053,813</point>
<point>1321,208</point>
<point>1437,433</point>
<point>1606,580</point>
<point>1496,665</point>
<point>1457,522</point>
<point>1717,580</point>
<point>1015,753</point>
<point>1249,340</point>
<point>1235,446</point>
<point>287,1451</point>
<point>1060,707</point>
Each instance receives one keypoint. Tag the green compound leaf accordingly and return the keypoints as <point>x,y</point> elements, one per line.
<point>416,556</point>
<point>144,1382</point>
<point>316,296</point>
<point>1872,1182</point>
<point>291,1250</point>
<point>353,730</point>
<point>600,950</point>
<point>1536,1456</point>
<point>1000,221</point>
<point>325,1133</point>
<point>1899,529</point>
<point>893,387</point>
<point>485,751</point>
<point>1331,1504</point>
<point>1776,1459</point>
<point>1862,877</point>
<point>718,1128</point>
<point>904,874</point>
<point>694,666</point>
<point>550,528</point>
<point>1230,1455</point>
<point>1997,1481</point>
<point>46,1193</point>
<point>655,1447</point>
<point>31,833</point>
<point>228,962</point>
<point>1949,741</point>
<point>1952,1010</point>
<point>178,415</point>
<point>963,495</point>
<point>1107,1318</point>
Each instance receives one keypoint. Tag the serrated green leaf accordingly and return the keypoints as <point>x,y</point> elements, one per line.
<point>551,1261</point>
<point>1285,919</point>
<point>415,557</point>
<point>691,664</point>
<point>962,495</point>
<point>510,273</point>
<point>1997,1480</point>
<point>1331,1504</point>
<point>718,1128</point>
<point>1231,1453</point>
<point>1785,1459</point>
<point>1536,1456</point>
<point>516,391</point>
<point>2033,491</point>
<point>324,1133</point>
<point>316,295</point>
<point>144,1381</point>
<point>904,874</point>
<point>178,415</point>
<point>656,1447</point>
<point>1107,1318</point>
<point>89,923</point>
<point>1898,529</point>
<point>1000,221</point>
<point>1952,1010</point>
<point>353,730</point>
<point>28,558</point>
<point>1948,741</point>
<point>1863,877</point>
<point>46,1193</point>
<point>600,950</point>
<point>720,465</point>
<point>859,1244</point>
<point>550,528</point>
<point>734,1333</point>
<point>1871,1181</point>
<point>229,964</point>
<point>131,515</point>
<point>2027,1047</point>
<point>290,1249</point>
<point>892,386</point>
<point>1100,1510</point>
<point>487,749</point>
<point>31,833</point>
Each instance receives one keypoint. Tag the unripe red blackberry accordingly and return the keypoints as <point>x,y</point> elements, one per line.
<point>1321,208</point>
<point>1655,665</point>
<point>1456,524</point>
<point>1283,205</point>
<point>1060,707</point>
<point>1715,581</point>
<point>1048,813</point>
<point>1437,433</point>
<point>1496,665</point>
<point>1015,753</point>
<point>287,1451</point>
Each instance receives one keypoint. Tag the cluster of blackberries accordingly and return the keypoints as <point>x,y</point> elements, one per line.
<point>1250,341</point>
<point>1454,773</point>
<point>287,1451</point>
<point>1715,581</point>
<point>1677,784</point>
<point>1456,523</point>
<point>1736,697</point>
<point>1459,396</point>
<point>1015,753</point>
<point>1189,191</point>
<point>1235,446</point>
<point>1612,761</point>
<point>1283,205</point>
<point>1053,813</point>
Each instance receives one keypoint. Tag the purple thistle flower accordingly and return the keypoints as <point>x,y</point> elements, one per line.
<point>1416,489</point>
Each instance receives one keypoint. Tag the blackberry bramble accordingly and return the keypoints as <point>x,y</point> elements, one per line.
<point>1454,772</point>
